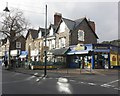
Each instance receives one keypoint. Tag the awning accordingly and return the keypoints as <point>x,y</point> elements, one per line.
<point>78,52</point>
<point>23,54</point>
<point>59,52</point>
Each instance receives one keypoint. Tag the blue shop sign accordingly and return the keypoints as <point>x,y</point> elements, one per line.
<point>23,54</point>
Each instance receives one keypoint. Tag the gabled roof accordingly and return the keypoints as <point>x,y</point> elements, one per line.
<point>52,26</point>
<point>33,32</point>
<point>78,21</point>
<point>72,24</point>
<point>17,37</point>
<point>43,31</point>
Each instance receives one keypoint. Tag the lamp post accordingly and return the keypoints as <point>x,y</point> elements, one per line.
<point>7,10</point>
<point>45,71</point>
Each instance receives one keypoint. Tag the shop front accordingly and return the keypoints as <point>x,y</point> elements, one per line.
<point>35,55</point>
<point>80,56</point>
<point>115,57</point>
<point>101,56</point>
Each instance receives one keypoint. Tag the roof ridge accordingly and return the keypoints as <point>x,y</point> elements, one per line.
<point>68,19</point>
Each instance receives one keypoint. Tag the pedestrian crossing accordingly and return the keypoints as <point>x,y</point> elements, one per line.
<point>113,84</point>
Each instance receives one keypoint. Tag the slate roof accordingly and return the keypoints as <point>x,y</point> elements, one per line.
<point>17,37</point>
<point>33,32</point>
<point>72,24</point>
<point>59,52</point>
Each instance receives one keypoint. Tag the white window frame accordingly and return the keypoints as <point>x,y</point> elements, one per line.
<point>62,42</point>
<point>81,35</point>
<point>18,44</point>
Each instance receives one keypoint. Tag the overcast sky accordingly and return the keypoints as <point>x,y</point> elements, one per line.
<point>103,12</point>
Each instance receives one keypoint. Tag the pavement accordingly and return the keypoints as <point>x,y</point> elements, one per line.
<point>66,72</point>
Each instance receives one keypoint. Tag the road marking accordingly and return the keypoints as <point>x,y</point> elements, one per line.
<point>50,78</point>
<point>35,74</point>
<point>93,84</point>
<point>83,82</point>
<point>31,77</point>
<point>117,88</point>
<point>108,84</point>
<point>63,86</point>
<point>72,80</point>
<point>113,81</point>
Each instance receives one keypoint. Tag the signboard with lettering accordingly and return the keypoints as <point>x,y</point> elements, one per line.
<point>113,59</point>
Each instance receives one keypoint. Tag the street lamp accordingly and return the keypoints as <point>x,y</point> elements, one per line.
<point>6,8</point>
<point>45,71</point>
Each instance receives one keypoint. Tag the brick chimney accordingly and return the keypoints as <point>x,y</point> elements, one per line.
<point>57,18</point>
<point>92,24</point>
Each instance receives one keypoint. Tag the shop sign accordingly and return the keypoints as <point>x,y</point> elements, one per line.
<point>79,47</point>
<point>14,52</point>
<point>113,59</point>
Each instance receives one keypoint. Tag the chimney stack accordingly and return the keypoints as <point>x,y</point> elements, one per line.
<point>57,18</point>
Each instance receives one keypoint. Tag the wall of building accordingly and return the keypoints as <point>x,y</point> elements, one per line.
<point>64,34</point>
<point>89,37</point>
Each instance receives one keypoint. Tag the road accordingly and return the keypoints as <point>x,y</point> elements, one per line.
<point>18,83</point>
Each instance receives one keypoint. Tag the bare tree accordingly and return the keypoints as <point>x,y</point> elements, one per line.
<point>13,23</point>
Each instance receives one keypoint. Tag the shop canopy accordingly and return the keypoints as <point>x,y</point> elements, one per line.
<point>58,52</point>
<point>23,54</point>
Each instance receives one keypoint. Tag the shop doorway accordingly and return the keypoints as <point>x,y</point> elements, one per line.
<point>101,60</point>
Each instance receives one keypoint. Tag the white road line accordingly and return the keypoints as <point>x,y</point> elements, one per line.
<point>113,81</point>
<point>108,84</point>
<point>83,82</point>
<point>72,80</point>
<point>93,84</point>
<point>117,88</point>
